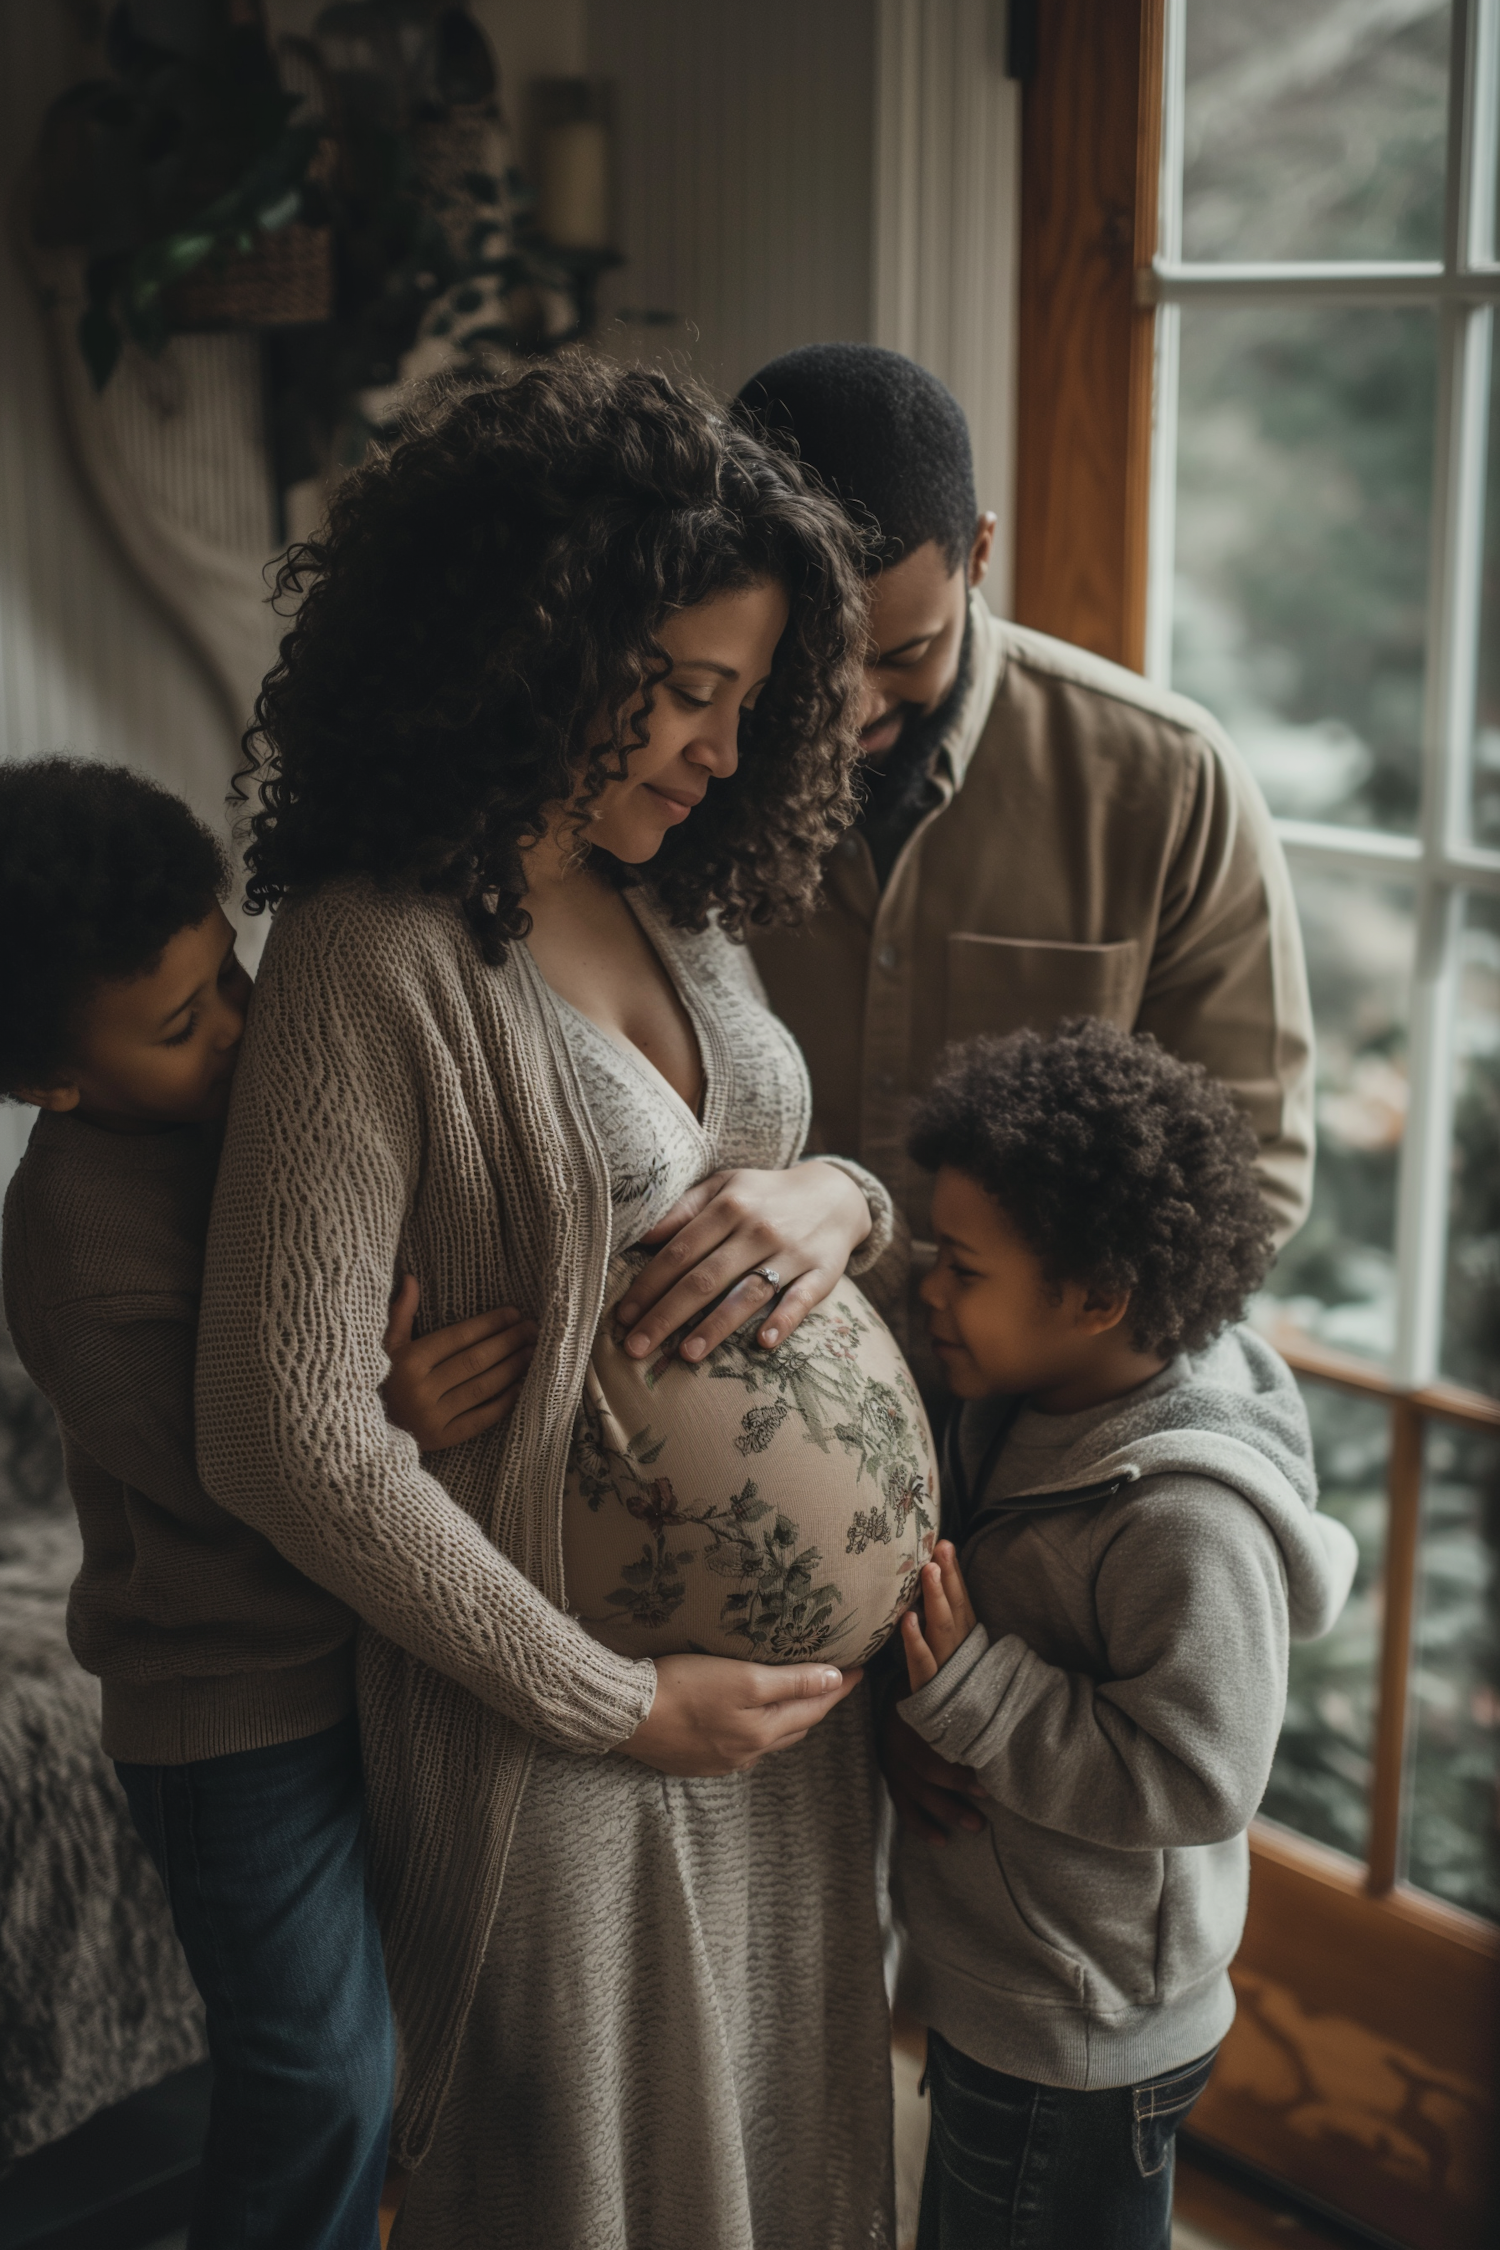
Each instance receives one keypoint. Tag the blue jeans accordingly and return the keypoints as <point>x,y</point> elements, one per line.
<point>1012,2165</point>
<point>262,1857</point>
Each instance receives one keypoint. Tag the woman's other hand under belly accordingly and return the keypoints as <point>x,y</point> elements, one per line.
<point>714,1714</point>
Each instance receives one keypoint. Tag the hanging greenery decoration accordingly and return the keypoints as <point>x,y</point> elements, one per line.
<point>186,156</point>
<point>351,194</point>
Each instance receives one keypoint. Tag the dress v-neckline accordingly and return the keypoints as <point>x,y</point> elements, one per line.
<point>654,1077</point>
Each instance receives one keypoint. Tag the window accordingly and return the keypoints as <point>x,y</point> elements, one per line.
<point>1326,284</point>
<point>1258,458</point>
<point>1318,574</point>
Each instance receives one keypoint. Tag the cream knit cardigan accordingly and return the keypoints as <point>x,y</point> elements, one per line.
<point>401,1106</point>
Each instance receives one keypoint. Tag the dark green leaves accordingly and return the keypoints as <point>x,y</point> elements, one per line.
<point>182,159</point>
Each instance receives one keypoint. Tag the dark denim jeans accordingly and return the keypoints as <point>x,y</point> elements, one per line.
<point>262,1856</point>
<point>1012,2165</point>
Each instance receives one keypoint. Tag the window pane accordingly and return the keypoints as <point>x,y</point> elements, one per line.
<point>1304,486</point>
<point>1315,129</point>
<point>1336,1278</point>
<point>1487,703</point>
<point>1320,1782</point>
<point>1471,1338</point>
<point>1452,1847</point>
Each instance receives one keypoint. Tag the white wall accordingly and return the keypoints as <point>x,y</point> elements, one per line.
<point>815,171</point>
<point>745,153</point>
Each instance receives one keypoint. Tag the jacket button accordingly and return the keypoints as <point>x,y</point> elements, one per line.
<point>887,957</point>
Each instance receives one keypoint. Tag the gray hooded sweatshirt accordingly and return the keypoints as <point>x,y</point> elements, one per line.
<point>1137,1570</point>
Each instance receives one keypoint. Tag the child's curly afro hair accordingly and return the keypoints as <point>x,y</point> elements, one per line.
<point>98,868</point>
<point>1119,1166</point>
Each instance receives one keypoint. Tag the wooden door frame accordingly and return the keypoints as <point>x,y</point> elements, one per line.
<point>1091,121</point>
<point>1360,2066</point>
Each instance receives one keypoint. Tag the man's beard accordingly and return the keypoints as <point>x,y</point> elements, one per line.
<point>899,788</point>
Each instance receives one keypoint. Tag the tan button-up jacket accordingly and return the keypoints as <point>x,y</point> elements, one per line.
<point>1098,848</point>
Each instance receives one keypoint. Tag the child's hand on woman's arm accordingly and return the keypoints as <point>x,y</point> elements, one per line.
<point>946,1621</point>
<point>455,1382</point>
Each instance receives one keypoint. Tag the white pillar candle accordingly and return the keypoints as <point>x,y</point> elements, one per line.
<point>573,191</point>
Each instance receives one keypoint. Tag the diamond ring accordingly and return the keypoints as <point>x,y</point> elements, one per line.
<point>768,1275</point>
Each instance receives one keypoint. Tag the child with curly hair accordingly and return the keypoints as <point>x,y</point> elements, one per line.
<point>228,1677</point>
<point>1099,1668</point>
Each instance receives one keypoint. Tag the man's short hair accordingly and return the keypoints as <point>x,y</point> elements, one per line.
<point>888,438</point>
<point>1120,1167</point>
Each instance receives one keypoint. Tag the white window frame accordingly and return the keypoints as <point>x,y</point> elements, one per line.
<point>1440,860</point>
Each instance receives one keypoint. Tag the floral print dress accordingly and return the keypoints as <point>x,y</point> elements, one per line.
<point>771,1505</point>
<point>695,2055</point>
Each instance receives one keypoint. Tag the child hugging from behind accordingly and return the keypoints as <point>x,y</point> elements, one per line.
<point>228,1691</point>
<point>1101,1655</point>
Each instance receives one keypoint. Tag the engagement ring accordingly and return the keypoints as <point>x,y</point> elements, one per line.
<point>768,1275</point>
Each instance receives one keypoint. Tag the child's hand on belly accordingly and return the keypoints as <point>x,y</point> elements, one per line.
<point>946,1621</point>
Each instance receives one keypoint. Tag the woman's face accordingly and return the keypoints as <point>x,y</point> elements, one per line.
<point>721,656</point>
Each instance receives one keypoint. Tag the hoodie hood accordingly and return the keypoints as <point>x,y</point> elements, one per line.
<point>1232,1412</point>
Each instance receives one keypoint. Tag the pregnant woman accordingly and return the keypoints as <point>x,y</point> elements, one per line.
<point>564,710</point>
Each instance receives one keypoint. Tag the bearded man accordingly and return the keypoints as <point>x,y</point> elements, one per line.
<point>1043,834</point>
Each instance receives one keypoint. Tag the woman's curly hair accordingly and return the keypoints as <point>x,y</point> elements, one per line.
<point>489,585</point>
<point>1120,1167</point>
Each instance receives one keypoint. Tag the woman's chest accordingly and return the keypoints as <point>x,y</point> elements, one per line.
<point>595,955</point>
<point>754,1108</point>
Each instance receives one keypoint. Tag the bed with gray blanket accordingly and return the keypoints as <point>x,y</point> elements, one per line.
<point>95,1998</point>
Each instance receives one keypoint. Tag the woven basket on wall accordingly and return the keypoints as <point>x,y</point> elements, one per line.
<point>285,280</point>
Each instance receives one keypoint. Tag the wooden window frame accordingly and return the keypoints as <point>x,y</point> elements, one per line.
<point>1350,1980</point>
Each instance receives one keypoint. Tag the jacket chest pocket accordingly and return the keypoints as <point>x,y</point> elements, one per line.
<point>1001,984</point>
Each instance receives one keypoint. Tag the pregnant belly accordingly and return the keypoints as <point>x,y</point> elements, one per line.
<point>771,1505</point>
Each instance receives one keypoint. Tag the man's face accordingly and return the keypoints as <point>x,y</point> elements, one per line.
<point>917,613</point>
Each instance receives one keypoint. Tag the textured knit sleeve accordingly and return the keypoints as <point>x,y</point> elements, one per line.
<point>1175,1746</point>
<point>882,1210</point>
<point>321,1164</point>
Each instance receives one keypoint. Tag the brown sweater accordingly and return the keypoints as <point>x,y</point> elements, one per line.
<point>206,1640</point>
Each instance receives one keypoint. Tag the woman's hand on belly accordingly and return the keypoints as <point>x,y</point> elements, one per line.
<point>805,1224</point>
<point>715,1714</point>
